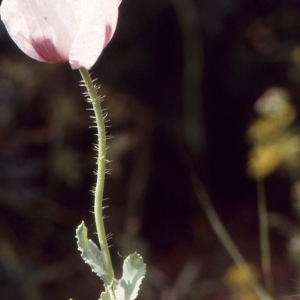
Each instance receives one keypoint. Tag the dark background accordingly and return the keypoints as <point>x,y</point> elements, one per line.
<point>180,79</point>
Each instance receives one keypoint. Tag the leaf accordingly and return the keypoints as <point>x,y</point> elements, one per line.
<point>113,292</point>
<point>134,271</point>
<point>90,252</point>
<point>128,286</point>
<point>107,296</point>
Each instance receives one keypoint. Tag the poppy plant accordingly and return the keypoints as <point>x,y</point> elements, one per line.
<point>77,31</point>
<point>58,31</point>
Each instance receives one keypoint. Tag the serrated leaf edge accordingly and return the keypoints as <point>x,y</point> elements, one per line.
<point>83,230</point>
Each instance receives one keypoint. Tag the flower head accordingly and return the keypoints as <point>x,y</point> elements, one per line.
<point>57,31</point>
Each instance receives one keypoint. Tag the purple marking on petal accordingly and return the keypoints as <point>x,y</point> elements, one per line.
<point>108,35</point>
<point>46,50</point>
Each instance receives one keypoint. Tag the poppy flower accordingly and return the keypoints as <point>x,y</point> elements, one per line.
<point>61,30</point>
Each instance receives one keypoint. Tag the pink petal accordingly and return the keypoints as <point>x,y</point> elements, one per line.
<point>61,30</point>
<point>108,35</point>
<point>98,24</point>
<point>40,27</point>
<point>46,50</point>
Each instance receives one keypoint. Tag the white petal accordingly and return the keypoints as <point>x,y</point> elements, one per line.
<point>43,29</point>
<point>97,25</point>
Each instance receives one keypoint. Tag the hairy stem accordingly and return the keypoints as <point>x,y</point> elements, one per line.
<point>101,161</point>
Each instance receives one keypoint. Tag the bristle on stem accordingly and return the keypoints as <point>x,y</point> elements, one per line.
<point>92,97</point>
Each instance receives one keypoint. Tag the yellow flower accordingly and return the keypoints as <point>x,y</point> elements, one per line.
<point>265,158</point>
<point>274,144</point>
<point>238,284</point>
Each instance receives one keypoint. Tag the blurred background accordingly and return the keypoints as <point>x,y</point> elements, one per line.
<point>185,81</point>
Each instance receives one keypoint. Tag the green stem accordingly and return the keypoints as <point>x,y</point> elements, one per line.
<point>225,239</point>
<point>264,235</point>
<point>93,97</point>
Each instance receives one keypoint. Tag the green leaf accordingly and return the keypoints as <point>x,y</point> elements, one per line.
<point>128,286</point>
<point>90,252</point>
<point>110,292</point>
<point>107,296</point>
<point>134,271</point>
